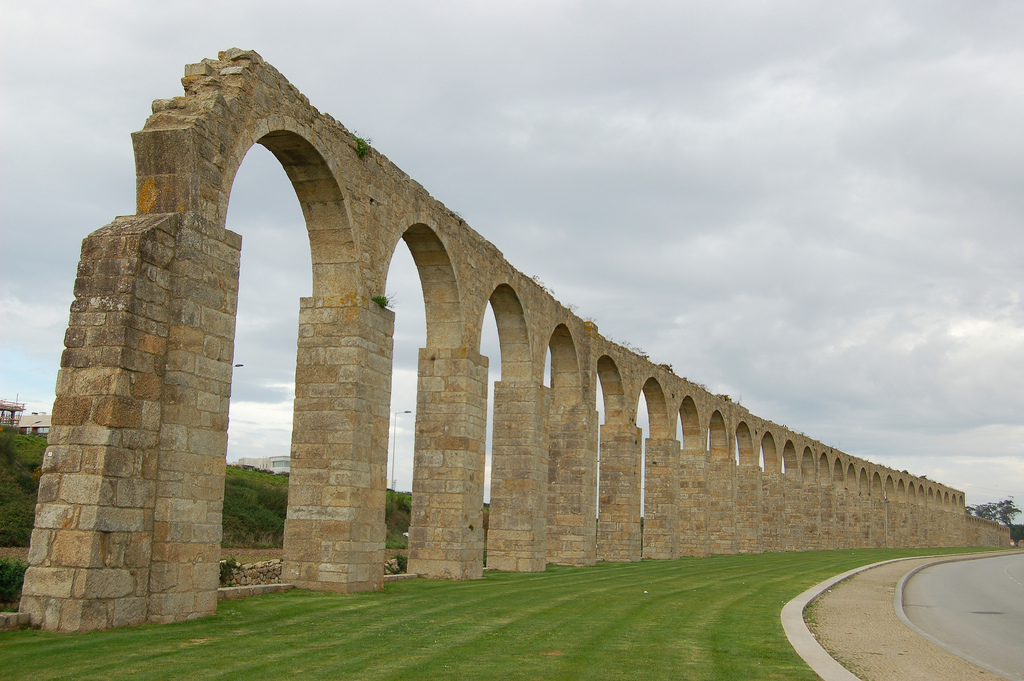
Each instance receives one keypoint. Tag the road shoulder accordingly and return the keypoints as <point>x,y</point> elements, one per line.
<point>855,622</point>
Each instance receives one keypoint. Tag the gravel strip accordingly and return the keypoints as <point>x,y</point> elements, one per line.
<point>856,623</point>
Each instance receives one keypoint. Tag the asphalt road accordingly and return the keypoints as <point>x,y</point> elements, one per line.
<point>975,608</point>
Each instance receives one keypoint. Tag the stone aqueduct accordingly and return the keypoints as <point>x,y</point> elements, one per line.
<point>128,523</point>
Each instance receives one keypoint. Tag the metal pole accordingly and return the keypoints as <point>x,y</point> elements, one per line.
<point>394,436</point>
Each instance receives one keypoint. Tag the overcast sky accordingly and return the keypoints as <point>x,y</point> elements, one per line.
<point>816,208</point>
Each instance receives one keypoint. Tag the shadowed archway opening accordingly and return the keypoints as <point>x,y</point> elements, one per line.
<point>837,472</point>
<point>807,468</point>
<point>772,464</point>
<point>718,437</point>
<point>689,430</point>
<point>789,462</point>
<point>745,455</point>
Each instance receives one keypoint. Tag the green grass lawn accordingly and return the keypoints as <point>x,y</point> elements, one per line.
<point>695,618</point>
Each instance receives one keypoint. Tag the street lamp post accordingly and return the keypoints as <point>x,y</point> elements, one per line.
<point>394,435</point>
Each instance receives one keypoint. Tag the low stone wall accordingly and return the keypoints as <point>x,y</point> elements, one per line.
<point>12,621</point>
<point>250,574</point>
<point>269,572</point>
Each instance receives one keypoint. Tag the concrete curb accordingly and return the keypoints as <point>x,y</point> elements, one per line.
<point>804,642</point>
<point>897,603</point>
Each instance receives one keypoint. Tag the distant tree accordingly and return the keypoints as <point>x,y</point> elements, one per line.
<point>1017,532</point>
<point>1000,511</point>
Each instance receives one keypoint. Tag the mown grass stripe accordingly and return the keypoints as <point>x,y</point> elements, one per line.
<point>707,618</point>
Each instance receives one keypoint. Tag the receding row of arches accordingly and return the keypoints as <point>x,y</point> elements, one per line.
<point>542,423</point>
<point>134,536</point>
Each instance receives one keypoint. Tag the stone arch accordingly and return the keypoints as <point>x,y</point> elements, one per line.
<point>566,385</point>
<point>620,460</point>
<point>863,483</point>
<point>851,475</point>
<point>824,470</point>
<point>513,335</point>
<point>332,246</point>
<point>718,437</point>
<point>520,466</point>
<point>745,446</point>
<point>789,462</point>
<point>912,492</point>
<point>945,499</point>
<point>439,284</point>
<point>572,459</point>
<point>657,410</point>
<point>689,420</point>
<point>890,488</point>
<point>876,484</point>
<point>611,390</point>
<point>807,468</point>
<point>772,465</point>
<point>837,471</point>
<point>901,488</point>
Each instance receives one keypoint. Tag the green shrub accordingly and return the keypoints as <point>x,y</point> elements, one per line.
<point>255,506</point>
<point>28,450</point>
<point>362,146</point>
<point>12,576</point>
<point>19,455</point>
<point>226,567</point>
<point>397,514</point>
<point>7,454</point>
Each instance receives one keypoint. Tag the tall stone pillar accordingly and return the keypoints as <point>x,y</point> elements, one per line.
<point>810,510</point>
<point>863,533</point>
<point>774,511</point>
<point>572,486</point>
<point>334,532</point>
<point>446,534</point>
<point>661,499</point>
<point>840,502</point>
<point>793,517</point>
<point>748,503</point>
<point>692,515</point>
<point>128,523</point>
<point>917,515</point>
<point>187,517</point>
<point>618,527</point>
<point>827,523</point>
<point>517,527</point>
<point>721,505</point>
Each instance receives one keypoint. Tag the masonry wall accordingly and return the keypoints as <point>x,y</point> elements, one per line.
<point>129,514</point>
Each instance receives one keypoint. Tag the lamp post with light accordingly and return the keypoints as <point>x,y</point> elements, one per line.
<point>394,435</point>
